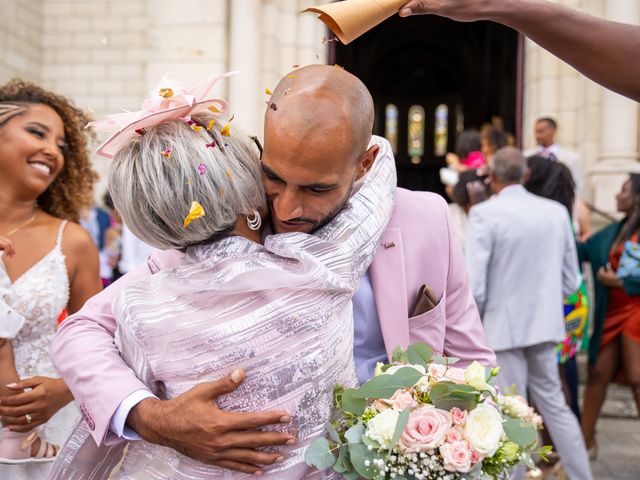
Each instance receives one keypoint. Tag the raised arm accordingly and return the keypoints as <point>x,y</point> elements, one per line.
<point>600,49</point>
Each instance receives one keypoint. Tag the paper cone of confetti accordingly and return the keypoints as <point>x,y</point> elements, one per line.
<point>351,18</point>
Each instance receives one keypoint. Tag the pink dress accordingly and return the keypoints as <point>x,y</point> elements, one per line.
<point>281,311</point>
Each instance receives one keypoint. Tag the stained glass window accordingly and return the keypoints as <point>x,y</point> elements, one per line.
<point>391,126</point>
<point>441,130</point>
<point>415,147</point>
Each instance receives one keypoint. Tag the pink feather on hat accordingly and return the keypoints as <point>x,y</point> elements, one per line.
<point>168,101</point>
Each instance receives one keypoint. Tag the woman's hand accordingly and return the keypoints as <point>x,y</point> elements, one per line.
<point>43,397</point>
<point>608,277</point>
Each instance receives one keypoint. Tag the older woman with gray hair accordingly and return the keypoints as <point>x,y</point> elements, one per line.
<point>278,307</point>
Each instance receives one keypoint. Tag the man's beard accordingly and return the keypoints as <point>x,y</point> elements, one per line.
<point>316,224</point>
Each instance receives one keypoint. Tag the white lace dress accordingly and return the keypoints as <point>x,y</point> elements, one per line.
<point>39,295</point>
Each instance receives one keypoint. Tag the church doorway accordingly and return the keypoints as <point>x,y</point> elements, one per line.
<point>430,78</point>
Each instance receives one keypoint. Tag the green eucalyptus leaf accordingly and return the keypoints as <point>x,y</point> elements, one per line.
<point>351,404</point>
<point>419,354</point>
<point>448,401</point>
<point>400,424</point>
<point>399,355</point>
<point>355,433</point>
<point>369,442</point>
<point>333,434</point>
<point>343,464</point>
<point>384,386</point>
<point>318,454</point>
<point>351,475</point>
<point>520,432</point>
<point>359,454</point>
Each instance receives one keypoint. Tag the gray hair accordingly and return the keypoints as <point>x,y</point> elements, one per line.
<point>153,192</point>
<point>509,165</point>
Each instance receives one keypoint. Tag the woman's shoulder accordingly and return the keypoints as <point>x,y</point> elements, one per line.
<point>74,238</point>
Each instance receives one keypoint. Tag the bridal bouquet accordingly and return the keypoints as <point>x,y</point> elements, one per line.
<point>422,418</point>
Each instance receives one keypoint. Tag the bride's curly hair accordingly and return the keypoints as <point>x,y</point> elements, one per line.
<point>72,190</point>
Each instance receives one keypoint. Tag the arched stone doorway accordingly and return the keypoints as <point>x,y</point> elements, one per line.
<point>435,77</point>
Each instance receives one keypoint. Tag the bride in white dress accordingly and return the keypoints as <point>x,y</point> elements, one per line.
<point>46,180</point>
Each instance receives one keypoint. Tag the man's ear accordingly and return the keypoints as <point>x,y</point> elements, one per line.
<point>366,161</point>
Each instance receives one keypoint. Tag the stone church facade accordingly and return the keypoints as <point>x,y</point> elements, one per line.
<point>107,54</point>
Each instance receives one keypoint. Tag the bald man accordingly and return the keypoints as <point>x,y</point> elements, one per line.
<point>317,144</point>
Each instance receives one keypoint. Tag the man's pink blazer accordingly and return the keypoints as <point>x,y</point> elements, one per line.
<point>417,248</point>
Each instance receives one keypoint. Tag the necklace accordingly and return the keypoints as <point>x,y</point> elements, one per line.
<point>23,225</point>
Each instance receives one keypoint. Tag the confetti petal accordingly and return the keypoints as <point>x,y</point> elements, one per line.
<point>210,125</point>
<point>229,174</point>
<point>232,117</point>
<point>214,109</point>
<point>166,153</point>
<point>273,107</point>
<point>202,169</point>
<point>226,131</point>
<point>166,92</point>
<point>338,66</point>
<point>295,66</point>
<point>196,128</point>
<point>268,91</point>
<point>140,131</point>
<point>291,76</point>
<point>211,145</point>
<point>196,211</point>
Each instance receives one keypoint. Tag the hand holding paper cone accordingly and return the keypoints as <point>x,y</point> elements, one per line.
<point>351,18</point>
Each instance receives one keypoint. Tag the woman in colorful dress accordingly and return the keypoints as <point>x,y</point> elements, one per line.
<point>614,350</point>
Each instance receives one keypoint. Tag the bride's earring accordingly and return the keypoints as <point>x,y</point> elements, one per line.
<point>256,222</point>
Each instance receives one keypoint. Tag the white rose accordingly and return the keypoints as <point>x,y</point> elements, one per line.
<point>395,368</point>
<point>483,429</point>
<point>515,406</point>
<point>476,376</point>
<point>381,427</point>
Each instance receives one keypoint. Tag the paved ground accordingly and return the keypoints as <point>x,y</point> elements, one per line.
<point>618,435</point>
<point>619,449</point>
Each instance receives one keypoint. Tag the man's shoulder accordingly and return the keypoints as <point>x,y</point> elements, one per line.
<point>418,210</point>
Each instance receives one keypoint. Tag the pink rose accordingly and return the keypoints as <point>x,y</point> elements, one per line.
<point>459,416</point>
<point>426,429</point>
<point>453,435</point>
<point>443,372</point>
<point>456,456</point>
<point>402,399</point>
<point>456,375</point>
<point>475,456</point>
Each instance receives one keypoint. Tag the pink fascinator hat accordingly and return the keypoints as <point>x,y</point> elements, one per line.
<point>168,101</point>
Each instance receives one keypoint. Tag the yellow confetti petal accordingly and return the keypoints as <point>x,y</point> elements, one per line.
<point>338,66</point>
<point>196,211</point>
<point>212,122</point>
<point>226,131</point>
<point>268,91</point>
<point>214,109</point>
<point>166,153</point>
<point>196,128</point>
<point>166,92</point>
<point>229,174</point>
<point>291,76</point>
<point>232,117</point>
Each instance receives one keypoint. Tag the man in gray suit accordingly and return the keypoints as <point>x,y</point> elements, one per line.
<point>522,261</point>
